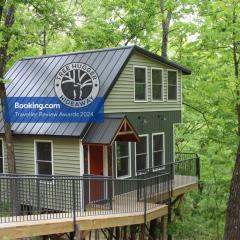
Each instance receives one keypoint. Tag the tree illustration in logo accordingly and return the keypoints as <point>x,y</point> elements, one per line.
<point>77,85</point>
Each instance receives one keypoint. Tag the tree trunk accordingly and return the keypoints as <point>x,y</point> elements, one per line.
<point>44,44</point>
<point>9,21</point>
<point>165,28</point>
<point>232,226</point>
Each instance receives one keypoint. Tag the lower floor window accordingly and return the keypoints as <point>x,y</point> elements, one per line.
<point>1,157</point>
<point>123,159</point>
<point>43,158</point>
<point>158,149</point>
<point>142,153</point>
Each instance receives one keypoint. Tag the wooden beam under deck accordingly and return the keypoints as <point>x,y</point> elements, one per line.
<point>56,226</point>
<point>184,189</point>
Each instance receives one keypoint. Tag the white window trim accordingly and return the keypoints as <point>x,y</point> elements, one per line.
<point>129,162</point>
<point>3,157</point>
<point>172,70</point>
<point>154,100</point>
<point>146,82</point>
<point>135,152</point>
<point>164,150</point>
<point>35,153</point>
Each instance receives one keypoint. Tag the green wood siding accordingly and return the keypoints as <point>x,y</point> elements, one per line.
<point>154,124</point>
<point>121,98</point>
<point>66,155</point>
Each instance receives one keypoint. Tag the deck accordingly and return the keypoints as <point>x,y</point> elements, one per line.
<point>126,210</point>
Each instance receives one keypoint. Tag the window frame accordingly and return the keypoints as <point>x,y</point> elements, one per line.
<point>146,82</point>
<point>164,150</point>
<point>35,154</point>
<point>154,100</point>
<point>135,152</point>
<point>3,156</point>
<point>129,162</point>
<point>173,100</point>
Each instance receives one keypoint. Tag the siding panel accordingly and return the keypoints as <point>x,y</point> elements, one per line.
<point>66,157</point>
<point>121,98</point>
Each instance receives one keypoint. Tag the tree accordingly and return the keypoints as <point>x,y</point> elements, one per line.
<point>7,18</point>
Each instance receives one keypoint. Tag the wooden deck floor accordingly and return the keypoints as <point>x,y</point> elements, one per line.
<point>124,212</point>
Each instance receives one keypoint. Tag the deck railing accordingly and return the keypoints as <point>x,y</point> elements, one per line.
<point>27,198</point>
<point>31,197</point>
<point>184,170</point>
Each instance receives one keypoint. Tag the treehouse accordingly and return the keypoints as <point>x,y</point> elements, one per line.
<point>117,173</point>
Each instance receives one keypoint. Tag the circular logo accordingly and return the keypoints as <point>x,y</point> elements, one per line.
<point>76,85</point>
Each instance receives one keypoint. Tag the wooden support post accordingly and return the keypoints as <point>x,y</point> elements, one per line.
<point>180,201</point>
<point>133,232</point>
<point>71,236</point>
<point>110,233</point>
<point>142,232</point>
<point>125,232</point>
<point>163,228</point>
<point>117,229</point>
<point>96,234</point>
<point>152,230</point>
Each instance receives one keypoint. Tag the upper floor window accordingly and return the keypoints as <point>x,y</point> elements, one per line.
<point>158,149</point>
<point>141,151</point>
<point>44,165</point>
<point>157,84</point>
<point>140,81</point>
<point>123,159</point>
<point>172,85</point>
<point>1,157</point>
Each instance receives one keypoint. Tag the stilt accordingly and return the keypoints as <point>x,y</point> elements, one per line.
<point>142,232</point>
<point>125,233</point>
<point>117,233</point>
<point>96,234</point>
<point>152,230</point>
<point>133,232</point>
<point>163,228</point>
<point>71,236</point>
<point>110,233</point>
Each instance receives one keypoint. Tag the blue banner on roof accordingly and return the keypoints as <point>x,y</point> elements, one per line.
<point>53,110</point>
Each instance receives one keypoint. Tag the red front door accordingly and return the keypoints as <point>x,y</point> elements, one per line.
<point>96,168</point>
<point>96,160</point>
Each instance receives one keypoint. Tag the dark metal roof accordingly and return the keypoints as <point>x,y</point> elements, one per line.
<point>106,132</point>
<point>103,133</point>
<point>34,77</point>
<point>184,70</point>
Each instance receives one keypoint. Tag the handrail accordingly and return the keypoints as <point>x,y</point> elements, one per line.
<point>44,197</point>
<point>189,165</point>
<point>168,164</point>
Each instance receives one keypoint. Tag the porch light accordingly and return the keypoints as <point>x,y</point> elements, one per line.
<point>143,120</point>
<point>162,118</point>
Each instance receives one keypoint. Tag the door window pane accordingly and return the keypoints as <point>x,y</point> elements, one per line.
<point>123,159</point>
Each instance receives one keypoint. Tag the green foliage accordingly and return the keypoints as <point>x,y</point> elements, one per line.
<point>201,37</point>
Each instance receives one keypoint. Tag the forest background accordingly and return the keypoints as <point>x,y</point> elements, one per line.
<point>203,35</point>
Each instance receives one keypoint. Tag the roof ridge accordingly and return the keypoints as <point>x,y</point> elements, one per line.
<point>78,52</point>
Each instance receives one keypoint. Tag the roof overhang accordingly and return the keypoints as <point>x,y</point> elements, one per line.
<point>114,128</point>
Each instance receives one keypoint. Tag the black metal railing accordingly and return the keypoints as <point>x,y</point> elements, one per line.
<point>184,170</point>
<point>25,198</point>
<point>31,197</point>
